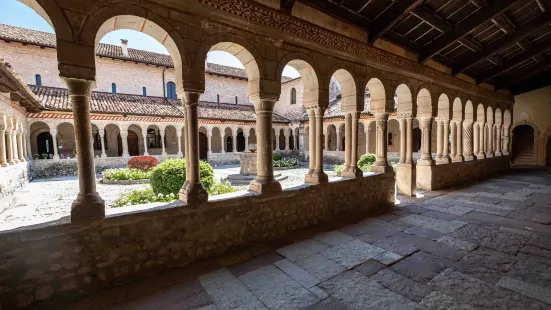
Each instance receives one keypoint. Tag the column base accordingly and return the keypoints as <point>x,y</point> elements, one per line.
<point>4,164</point>
<point>498,154</point>
<point>125,155</point>
<point>103,155</point>
<point>317,177</point>
<point>490,154</point>
<point>87,207</point>
<point>55,157</point>
<point>308,175</point>
<point>381,169</point>
<point>180,154</point>
<point>458,159</point>
<point>146,154</point>
<point>480,156</point>
<point>443,160</point>
<point>22,160</point>
<point>469,157</point>
<point>406,179</point>
<point>193,194</point>
<point>425,162</point>
<point>164,154</point>
<point>352,172</point>
<point>11,163</point>
<point>505,153</point>
<point>265,186</point>
<point>16,161</point>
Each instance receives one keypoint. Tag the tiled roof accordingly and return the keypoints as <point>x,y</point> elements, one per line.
<point>57,99</point>
<point>24,35</point>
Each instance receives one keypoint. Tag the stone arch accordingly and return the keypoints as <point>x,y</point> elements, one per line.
<point>393,135</point>
<point>424,103</point>
<point>525,122</point>
<point>507,119</point>
<point>252,137</point>
<point>351,100</point>
<point>53,15</point>
<point>228,140</point>
<point>405,99</point>
<point>444,110</point>
<point>66,143</point>
<point>480,113</point>
<point>171,140</point>
<point>469,111</point>
<point>371,140</point>
<point>245,52</point>
<point>135,140</point>
<point>377,101</point>
<point>341,135</point>
<point>112,131</point>
<point>489,115</point>
<point>524,146</point>
<point>331,138</point>
<point>309,74</point>
<point>45,143</point>
<point>216,140</point>
<point>457,109</point>
<point>127,16</point>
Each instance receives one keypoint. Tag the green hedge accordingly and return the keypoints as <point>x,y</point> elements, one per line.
<point>126,174</point>
<point>169,176</point>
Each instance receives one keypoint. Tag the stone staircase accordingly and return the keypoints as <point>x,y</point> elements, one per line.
<point>524,155</point>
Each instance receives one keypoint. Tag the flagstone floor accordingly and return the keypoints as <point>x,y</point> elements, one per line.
<point>485,245</point>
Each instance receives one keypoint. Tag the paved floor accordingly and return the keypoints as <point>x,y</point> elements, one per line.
<point>483,246</point>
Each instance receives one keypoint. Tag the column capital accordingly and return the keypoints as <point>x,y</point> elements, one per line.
<point>191,98</point>
<point>405,115</point>
<point>79,87</point>
<point>381,116</point>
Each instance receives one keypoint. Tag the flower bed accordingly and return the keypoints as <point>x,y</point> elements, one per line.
<point>125,176</point>
<point>285,163</point>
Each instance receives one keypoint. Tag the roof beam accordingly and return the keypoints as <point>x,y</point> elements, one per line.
<point>432,19</point>
<point>341,13</point>
<point>542,65</point>
<point>391,17</point>
<point>503,42</point>
<point>504,23</point>
<point>515,61</point>
<point>462,29</point>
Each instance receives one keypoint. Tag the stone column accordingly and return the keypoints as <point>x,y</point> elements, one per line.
<point>353,170</point>
<point>53,133</point>
<point>19,136</point>
<point>24,142</point>
<point>209,141</point>
<point>223,143</point>
<point>439,139</point>
<point>88,204</point>
<point>265,182</point>
<point>15,153</point>
<point>277,142</point>
<point>367,134</point>
<point>179,135</point>
<point>403,140</point>
<point>3,157</point>
<point>347,137</point>
<point>124,140</point>
<point>490,142</point>
<point>145,146</point>
<point>426,130</point>
<point>409,140</point>
<point>162,132</point>
<point>339,139</point>
<point>9,147</point>
<point>102,140</point>
<point>246,142</point>
<point>535,151</point>
<point>286,134</point>
<point>505,141</point>
<point>453,142</point>
<point>498,140</point>
<point>326,144</point>
<point>28,142</point>
<point>476,139</point>
<point>234,144</point>
<point>381,162</point>
<point>319,175</point>
<point>481,142</point>
<point>446,142</point>
<point>311,143</point>
<point>459,142</point>
<point>192,192</point>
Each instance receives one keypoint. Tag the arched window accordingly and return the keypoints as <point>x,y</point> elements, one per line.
<point>144,91</point>
<point>113,88</point>
<point>38,80</point>
<point>171,90</point>
<point>390,139</point>
<point>293,96</point>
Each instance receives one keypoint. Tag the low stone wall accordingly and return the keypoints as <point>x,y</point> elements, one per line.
<point>444,175</point>
<point>61,262</point>
<point>13,178</point>
<point>221,159</point>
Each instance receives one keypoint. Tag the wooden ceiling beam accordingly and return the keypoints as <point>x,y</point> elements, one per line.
<point>521,33</point>
<point>432,19</point>
<point>504,23</point>
<point>469,24</point>
<point>391,17</point>
<point>540,67</point>
<point>333,9</point>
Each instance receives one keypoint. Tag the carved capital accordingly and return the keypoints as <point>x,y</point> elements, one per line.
<point>405,115</point>
<point>79,87</point>
<point>191,98</point>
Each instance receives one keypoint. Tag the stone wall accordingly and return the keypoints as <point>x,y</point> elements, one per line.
<point>62,262</point>
<point>444,175</point>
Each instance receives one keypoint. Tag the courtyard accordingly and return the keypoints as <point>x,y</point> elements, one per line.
<point>44,200</point>
<point>484,245</point>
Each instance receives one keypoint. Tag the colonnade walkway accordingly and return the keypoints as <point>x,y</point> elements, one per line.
<point>484,245</point>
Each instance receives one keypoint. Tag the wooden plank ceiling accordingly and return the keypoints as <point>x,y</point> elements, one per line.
<point>505,43</point>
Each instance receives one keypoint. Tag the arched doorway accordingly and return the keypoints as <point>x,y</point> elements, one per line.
<point>229,144</point>
<point>203,146</point>
<point>240,142</point>
<point>523,145</point>
<point>416,143</point>
<point>548,152</point>
<point>45,143</point>
<point>133,144</point>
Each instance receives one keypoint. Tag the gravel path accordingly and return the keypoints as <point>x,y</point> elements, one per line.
<point>44,200</point>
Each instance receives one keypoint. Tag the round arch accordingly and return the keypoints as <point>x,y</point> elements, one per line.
<point>424,103</point>
<point>405,99</point>
<point>377,96</point>
<point>309,75</point>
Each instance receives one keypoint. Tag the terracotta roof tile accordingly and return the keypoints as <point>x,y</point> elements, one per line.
<point>24,35</point>
<point>57,99</point>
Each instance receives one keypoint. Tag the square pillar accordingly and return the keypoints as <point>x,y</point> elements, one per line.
<point>406,169</point>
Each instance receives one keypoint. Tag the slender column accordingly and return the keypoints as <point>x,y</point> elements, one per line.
<point>222,142</point>
<point>311,143</point>
<point>179,135</point>
<point>353,170</point>
<point>234,144</point>
<point>20,146</point>
<point>481,132</point>
<point>246,142</point>
<point>446,141</point>
<point>367,134</point>
<point>453,142</point>
<point>535,150</point>
<point>409,140</point>
<point>9,147</point>
<point>339,139</point>
<point>381,161</point>
<point>53,133</point>
<point>490,140</point>
<point>459,142</point>
<point>286,134</point>
<point>15,154</point>
<point>192,192</point>
<point>124,139</point>
<point>319,174</point>
<point>277,142</point>
<point>403,140</point>
<point>264,182</point>
<point>3,157</point>
<point>145,146</point>
<point>209,141</point>
<point>476,139</point>
<point>24,142</point>
<point>28,142</point>
<point>439,139</point>
<point>102,141</point>
<point>426,130</point>
<point>499,151</point>
<point>88,204</point>
<point>326,145</point>
<point>347,136</point>
<point>162,132</point>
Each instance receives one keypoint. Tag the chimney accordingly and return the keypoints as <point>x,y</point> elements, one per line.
<point>124,45</point>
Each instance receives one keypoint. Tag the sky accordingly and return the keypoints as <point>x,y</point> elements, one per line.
<point>15,13</point>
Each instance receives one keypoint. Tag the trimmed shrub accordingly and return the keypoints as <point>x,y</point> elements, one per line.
<point>126,174</point>
<point>276,156</point>
<point>365,162</point>
<point>338,169</point>
<point>144,163</point>
<point>286,162</point>
<point>142,196</point>
<point>169,176</point>
<point>222,188</point>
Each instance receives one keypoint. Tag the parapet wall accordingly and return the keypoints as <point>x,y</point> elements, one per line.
<point>62,262</point>
<point>444,175</point>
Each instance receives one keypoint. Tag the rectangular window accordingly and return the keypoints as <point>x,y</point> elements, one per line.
<point>218,98</point>
<point>144,91</point>
<point>236,100</point>
<point>38,80</point>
